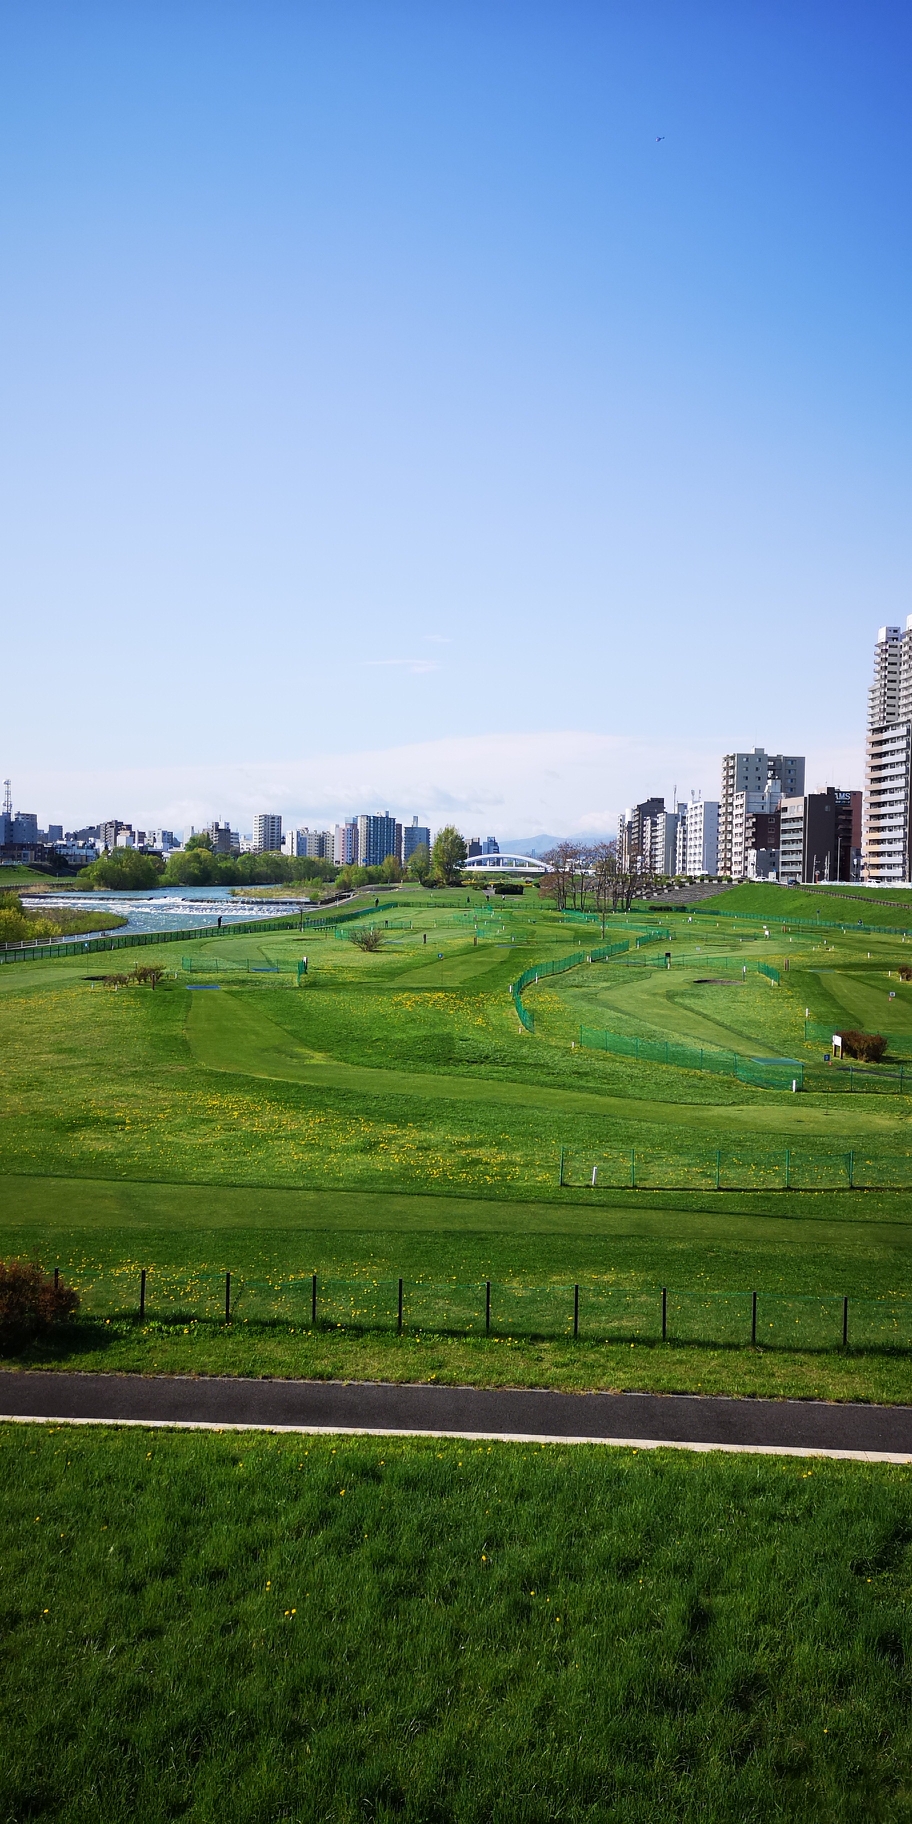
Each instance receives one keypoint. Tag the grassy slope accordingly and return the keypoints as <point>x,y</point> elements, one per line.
<point>273,1627</point>
<point>445,1248</point>
<point>849,904</point>
<point>133,1114</point>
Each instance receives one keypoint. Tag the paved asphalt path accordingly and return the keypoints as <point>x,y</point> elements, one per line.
<point>645,1420</point>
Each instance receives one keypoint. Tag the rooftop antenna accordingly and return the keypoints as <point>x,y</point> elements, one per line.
<point>7,799</point>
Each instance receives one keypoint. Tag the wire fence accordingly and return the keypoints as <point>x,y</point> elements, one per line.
<point>601,953</point>
<point>243,965</point>
<point>42,948</point>
<point>784,923</point>
<point>762,1073</point>
<point>738,967</point>
<point>593,1310</point>
<point>343,918</point>
<point>735,1168</point>
<point>558,966</point>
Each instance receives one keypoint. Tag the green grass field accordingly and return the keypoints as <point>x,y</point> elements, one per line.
<point>389,1116</point>
<point>302,1628</point>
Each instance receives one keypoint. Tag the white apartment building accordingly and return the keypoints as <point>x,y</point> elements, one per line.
<point>744,806</point>
<point>887,830</point>
<point>751,772</point>
<point>659,840</point>
<point>318,844</point>
<point>267,832</point>
<point>698,837</point>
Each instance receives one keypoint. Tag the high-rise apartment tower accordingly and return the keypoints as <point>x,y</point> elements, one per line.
<point>887,836</point>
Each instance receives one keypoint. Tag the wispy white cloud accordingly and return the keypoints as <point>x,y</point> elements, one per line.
<point>415,666</point>
<point>500,784</point>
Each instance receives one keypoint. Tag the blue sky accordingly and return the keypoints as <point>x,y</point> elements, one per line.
<point>387,409</point>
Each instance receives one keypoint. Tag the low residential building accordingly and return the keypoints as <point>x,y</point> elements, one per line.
<point>319,845</point>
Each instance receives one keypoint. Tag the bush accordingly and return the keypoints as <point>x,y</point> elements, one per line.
<point>868,1046</point>
<point>30,1303</point>
<point>367,938</point>
<point>905,972</point>
<point>148,972</point>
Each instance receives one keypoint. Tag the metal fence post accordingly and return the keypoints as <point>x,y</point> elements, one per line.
<point>399,1318</point>
<point>664,1313</point>
<point>576,1310</point>
<point>227,1298</point>
<point>313,1302</point>
<point>845,1323</point>
<point>487,1307</point>
<point>753,1320</point>
<point>142,1295</point>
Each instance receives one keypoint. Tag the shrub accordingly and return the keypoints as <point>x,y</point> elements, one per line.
<point>30,1303</point>
<point>148,972</point>
<point>368,938</point>
<point>905,972</point>
<point>868,1046</point>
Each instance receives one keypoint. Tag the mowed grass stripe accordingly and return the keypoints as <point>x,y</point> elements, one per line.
<point>226,1033</point>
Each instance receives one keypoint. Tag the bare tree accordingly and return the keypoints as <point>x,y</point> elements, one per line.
<point>557,880</point>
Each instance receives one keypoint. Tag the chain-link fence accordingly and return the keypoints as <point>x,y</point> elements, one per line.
<point>763,1073</point>
<point>734,1168</point>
